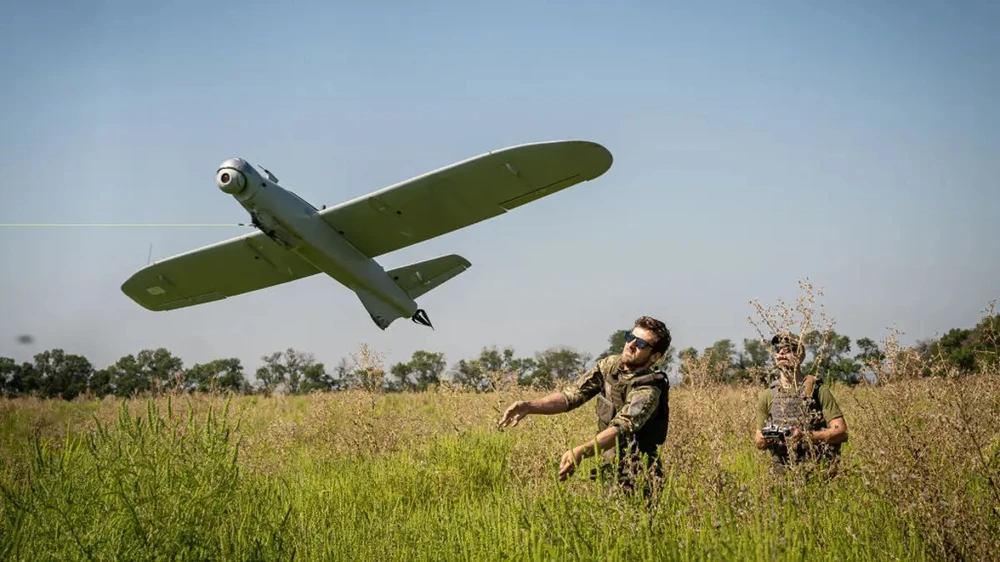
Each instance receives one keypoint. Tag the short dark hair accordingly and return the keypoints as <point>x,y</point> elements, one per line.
<point>662,343</point>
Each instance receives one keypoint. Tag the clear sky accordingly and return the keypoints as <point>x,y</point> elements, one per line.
<point>855,144</point>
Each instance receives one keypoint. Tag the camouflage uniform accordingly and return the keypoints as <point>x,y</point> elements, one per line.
<point>636,403</point>
<point>810,408</point>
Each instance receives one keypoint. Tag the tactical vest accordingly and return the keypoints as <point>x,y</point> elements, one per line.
<point>613,397</point>
<point>803,410</point>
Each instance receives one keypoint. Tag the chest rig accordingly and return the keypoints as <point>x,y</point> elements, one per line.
<point>613,399</point>
<point>801,409</point>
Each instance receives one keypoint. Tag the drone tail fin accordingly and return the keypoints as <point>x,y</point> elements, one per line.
<point>415,280</point>
<point>418,278</point>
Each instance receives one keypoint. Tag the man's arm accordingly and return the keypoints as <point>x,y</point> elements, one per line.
<point>585,388</point>
<point>836,431</point>
<point>604,441</point>
<point>555,403</point>
<point>641,404</point>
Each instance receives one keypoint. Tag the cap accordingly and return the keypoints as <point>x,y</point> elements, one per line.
<point>788,338</point>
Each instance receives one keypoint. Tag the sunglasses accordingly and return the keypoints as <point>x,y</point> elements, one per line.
<point>639,342</point>
<point>780,347</point>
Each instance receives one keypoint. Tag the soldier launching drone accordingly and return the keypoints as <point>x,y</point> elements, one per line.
<point>632,407</point>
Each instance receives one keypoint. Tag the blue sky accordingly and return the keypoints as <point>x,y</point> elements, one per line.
<point>862,137</point>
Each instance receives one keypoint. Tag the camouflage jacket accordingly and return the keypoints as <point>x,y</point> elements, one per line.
<point>634,402</point>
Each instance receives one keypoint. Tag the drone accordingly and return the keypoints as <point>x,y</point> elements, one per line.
<point>294,240</point>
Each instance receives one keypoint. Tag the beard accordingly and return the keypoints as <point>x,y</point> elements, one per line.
<point>631,363</point>
<point>788,376</point>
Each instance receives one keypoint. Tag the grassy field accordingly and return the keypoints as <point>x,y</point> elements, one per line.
<point>358,476</point>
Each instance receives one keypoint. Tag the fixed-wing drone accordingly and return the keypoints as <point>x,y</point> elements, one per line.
<point>295,240</point>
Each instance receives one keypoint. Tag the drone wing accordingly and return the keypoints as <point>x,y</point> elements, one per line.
<point>464,193</point>
<point>210,273</point>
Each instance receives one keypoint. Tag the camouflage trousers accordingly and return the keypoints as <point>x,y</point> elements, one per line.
<point>631,473</point>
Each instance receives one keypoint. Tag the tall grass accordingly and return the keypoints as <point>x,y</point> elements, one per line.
<point>428,476</point>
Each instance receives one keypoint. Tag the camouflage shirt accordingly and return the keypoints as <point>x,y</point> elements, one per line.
<point>641,402</point>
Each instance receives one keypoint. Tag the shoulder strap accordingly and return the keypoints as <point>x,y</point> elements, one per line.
<point>651,378</point>
<point>807,390</point>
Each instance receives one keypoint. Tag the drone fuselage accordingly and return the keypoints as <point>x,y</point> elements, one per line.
<point>296,225</point>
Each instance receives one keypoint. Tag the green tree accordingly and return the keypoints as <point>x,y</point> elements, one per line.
<point>557,365</point>
<point>467,372</point>
<point>147,371</point>
<point>869,357</point>
<point>315,378</point>
<point>965,350</point>
<point>217,375</point>
<point>10,377</point>
<point>345,378</point>
<point>616,342</point>
<point>60,374</point>
<point>687,369</point>
<point>722,360</point>
<point>422,370</point>
<point>493,366</point>
<point>830,357</point>
<point>753,363</point>
<point>8,368</point>
<point>293,372</point>
<point>100,383</point>
<point>985,341</point>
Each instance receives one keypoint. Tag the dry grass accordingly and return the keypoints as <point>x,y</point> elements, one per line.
<point>372,476</point>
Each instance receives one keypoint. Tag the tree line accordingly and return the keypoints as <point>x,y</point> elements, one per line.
<point>56,373</point>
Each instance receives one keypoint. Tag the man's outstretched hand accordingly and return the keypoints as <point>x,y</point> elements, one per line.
<point>554,403</point>
<point>567,465</point>
<point>514,414</point>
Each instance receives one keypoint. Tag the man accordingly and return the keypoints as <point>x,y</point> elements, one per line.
<point>801,415</point>
<point>632,407</point>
